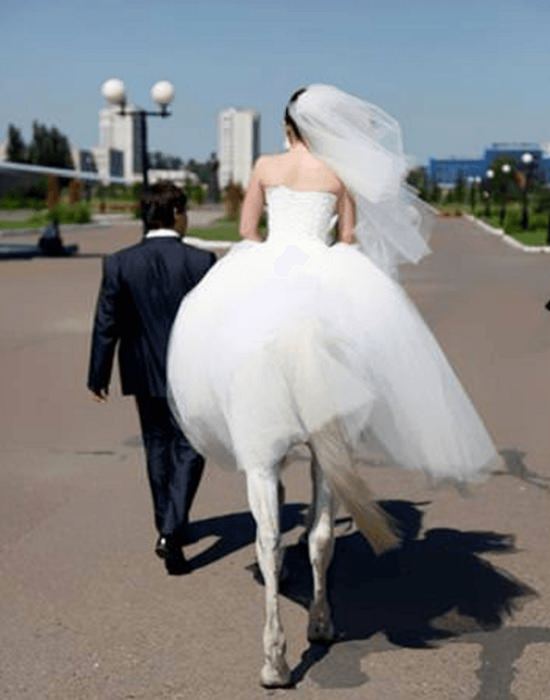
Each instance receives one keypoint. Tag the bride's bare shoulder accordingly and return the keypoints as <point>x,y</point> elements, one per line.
<point>269,165</point>
<point>268,160</point>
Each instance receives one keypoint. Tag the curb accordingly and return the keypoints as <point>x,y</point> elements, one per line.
<point>65,228</point>
<point>206,244</point>
<point>505,238</point>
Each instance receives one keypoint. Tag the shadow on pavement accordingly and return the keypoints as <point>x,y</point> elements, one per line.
<point>433,590</point>
<point>514,461</point>
<point>235,531</point>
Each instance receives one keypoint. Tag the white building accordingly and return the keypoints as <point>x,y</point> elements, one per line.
<point>238,145</point>
<point>180,177</point>
<point>119,150</point>
<point>119,133</point>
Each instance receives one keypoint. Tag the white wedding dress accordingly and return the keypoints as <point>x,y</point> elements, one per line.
<point>285,336</point>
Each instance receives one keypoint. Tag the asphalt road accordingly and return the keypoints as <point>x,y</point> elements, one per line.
<point>88,612</point>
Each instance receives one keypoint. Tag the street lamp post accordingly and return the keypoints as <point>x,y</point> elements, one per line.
<point>162,93</point>
<point>527,160</point>
<point>474,185</point>
<point>506,169</point>
<point>489,174</point>
<point>471,191</point>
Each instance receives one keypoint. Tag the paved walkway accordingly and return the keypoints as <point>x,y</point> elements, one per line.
<point>88,612</point>
<point>198,217</point>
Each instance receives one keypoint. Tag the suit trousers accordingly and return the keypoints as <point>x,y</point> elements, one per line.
<point>173,466</point>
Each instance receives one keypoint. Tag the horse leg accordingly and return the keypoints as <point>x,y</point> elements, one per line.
<point>321,547</point>
<point>263,491</point>
<point>310,512</point>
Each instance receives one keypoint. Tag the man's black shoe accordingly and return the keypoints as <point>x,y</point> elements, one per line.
<point>176,564</point>
<point>168,547</point>
<point>164,545</point>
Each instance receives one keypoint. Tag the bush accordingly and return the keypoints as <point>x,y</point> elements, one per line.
<point>20,200</point>
<point>195,193</point>
<point>233,196</point>
<point>70,213</point>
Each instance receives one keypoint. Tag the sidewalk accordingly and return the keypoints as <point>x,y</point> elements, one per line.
<point>198,217</point>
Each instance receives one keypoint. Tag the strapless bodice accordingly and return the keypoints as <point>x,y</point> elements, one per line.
<point>294,215</point>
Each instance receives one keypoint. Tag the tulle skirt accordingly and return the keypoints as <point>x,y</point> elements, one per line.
<point>282,339</point>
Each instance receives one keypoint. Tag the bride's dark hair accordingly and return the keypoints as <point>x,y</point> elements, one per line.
<point>289,121</point>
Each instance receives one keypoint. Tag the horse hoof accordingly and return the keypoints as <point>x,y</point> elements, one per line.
<point>275,678</point>
<point>321,633</point>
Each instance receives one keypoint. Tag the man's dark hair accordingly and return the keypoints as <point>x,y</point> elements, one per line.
<point>160,202</point>
<point>289,121</point>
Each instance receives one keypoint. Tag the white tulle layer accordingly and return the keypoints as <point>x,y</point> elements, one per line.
<point>280,339</point>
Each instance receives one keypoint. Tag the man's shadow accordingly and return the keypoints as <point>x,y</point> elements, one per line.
<point>235,531</point>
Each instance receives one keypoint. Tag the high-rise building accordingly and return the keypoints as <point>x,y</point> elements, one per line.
<point>120,133</point>
<point>238,145</point>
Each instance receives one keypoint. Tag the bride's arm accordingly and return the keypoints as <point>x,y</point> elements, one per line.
<point>346,218</point>
<point>253,205</point>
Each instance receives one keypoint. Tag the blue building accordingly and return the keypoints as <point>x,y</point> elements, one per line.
<point>446,171</point>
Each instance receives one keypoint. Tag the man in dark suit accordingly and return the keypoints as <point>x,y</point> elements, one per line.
<point>140,293</point>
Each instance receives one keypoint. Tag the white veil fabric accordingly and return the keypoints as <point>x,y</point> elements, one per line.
<point>363,145</point>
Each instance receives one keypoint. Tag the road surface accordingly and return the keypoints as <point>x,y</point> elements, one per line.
<point>87,610</point>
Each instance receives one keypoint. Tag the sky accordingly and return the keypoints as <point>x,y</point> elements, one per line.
<point>457,75</point>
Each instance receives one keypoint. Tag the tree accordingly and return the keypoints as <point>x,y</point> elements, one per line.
<point>233,197</point>
<point>502,182</point>
<point>16,150</point>
<point>434,193</point>
<point>201,170</point>
<point>163,161</point>
<point>460,188</point>
<point>49,147</point>
<point>75,191</point>
<point>54,194</point>
<point>417,177</point>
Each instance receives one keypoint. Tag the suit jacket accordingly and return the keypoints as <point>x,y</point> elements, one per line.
<point>140,293</point>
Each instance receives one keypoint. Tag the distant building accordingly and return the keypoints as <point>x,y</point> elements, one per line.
<point>109,162</point>
<point>119,134</point>
<point>180,177</point>
<point>238,145</point>
<point>84,160</point>
<point>446,171</point>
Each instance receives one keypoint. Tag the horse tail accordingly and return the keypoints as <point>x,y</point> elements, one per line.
<point>377,526</point>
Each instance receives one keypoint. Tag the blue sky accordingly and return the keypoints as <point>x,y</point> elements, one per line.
<point>458,75</point>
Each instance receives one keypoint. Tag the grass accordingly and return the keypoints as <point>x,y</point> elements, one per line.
<point>35,221</point>
<point>536,235</point>
<point>222,230</point>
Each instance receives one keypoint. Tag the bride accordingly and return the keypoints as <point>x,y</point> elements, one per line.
<point>303,339</point>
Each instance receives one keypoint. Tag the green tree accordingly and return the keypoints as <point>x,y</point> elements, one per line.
<point>505,182</point>
<point>417,177</point>
<point>16,150</point>
<point>434,192</point>
<point>233,196</point>
<point>49,147</point>
<point>164,161</point>
<point>460,188</point>
<point>202,170</point>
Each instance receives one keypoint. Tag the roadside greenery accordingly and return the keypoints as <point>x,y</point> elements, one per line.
<point>222,230</point>
<point>499,202</point>
<point>63,213</point>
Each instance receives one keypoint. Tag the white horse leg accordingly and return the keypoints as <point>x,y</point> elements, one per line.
<point>263,488</point>
<point>321,547</point>
<point>310,512</point>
